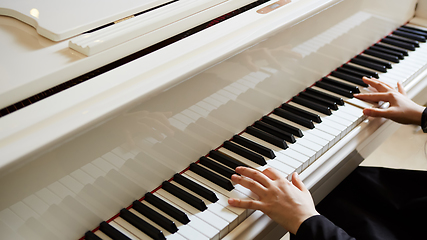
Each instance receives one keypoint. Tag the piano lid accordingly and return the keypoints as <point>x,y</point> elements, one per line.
<point>58,20</point>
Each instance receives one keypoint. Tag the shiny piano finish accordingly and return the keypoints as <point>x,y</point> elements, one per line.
<point>75,159</point>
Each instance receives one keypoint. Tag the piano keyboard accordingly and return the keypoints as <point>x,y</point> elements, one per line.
<point>193,204</point>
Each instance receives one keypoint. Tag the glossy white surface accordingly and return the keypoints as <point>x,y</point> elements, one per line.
<point>102,144</point>
<point>48,64</point>
<point>58,20</point>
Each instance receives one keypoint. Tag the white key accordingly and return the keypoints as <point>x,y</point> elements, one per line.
<point>102,235</point>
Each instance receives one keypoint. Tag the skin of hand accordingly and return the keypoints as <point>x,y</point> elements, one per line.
<point>287,203</point>
<point>402,109</point>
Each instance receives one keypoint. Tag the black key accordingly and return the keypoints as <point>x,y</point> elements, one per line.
<point>167,208</point>
<point>226,160</point>
<point>91,236</point>
<point>388,51</point>
<point>294,118</point>
<point>267,137</point>
<point>283,126</point>
<point>376,61</point>
<point>406,40</point>
<point>361,70</point>
<point>211,176</point>
<point>393,48</point>
<point>275,131</point>
<point>413,30</point>
<point>112,232</point>
<point>382,55</point>
<point>142,225</point>
<point>332,105</point>
<point>334,89</point>
<point>368,64</point>
<point>224,171</point>
<point>324,95</point>
<point>413,36</point>
<point>258,148</point>
<point>155,216</point>
<point>353,73</point>
<point>184,196</point>
<point>398,43</point>
<point>195,187</point>
<point>313,105</point>
<point>352,88</point>
<point>254,157</point>
<point>301,112</point>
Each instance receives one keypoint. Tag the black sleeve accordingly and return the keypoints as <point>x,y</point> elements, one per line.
<point>320,228</point>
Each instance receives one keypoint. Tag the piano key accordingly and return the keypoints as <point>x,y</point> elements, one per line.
<point>285,127</point>
<point>393,48</point>
<point>200,190</point>
<point>387,51</point>
<point>154,216</point>
<point>267,137</point>
<point>225,159</point>
<point>102,235</point>
<point>397,43</point>
<point>351,100</point>
<point>294,118</point>
<point>326,96</point>
<point>222,194</point>
<point>217,209</point>
<point>361,70</point>
<point>140,234</point>
<point>243,159</point>
<point>211,176</point>
<point>274,131</point>
<point>348,78</point>
<point>312,105</point>
<point>167,208</point>
<point>216,167</point>
<point>369,64</point>
<point>301,113</point>
<point>342,84</point>
<point>254,157</point>
<point>332,105</point>
<point>214,225</point>
<point>140,224</point>
<point>382,55</point>
<point>404,39</point>
<point>280,153</point>
<point>186,231</point>
<point>412,31</point>
<point>91,236</point>
<point>334,89</point>
<point>254,146</point>
<point>128,229</point>
<point>114,233</point>
<point>184,196</point>
<point>374,60</point>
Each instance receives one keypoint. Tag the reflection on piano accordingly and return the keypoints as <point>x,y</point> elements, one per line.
<point>145,150</point>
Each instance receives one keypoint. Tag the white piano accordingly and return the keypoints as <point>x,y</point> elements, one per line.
<point>100,103</point>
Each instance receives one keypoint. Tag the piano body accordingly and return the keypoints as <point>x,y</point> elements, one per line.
<point>76,158</point>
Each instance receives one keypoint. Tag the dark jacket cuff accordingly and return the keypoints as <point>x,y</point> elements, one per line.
<point>320,228</point>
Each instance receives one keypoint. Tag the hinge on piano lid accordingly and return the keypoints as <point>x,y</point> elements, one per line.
<point>273,6</point>
<point>124,19</point>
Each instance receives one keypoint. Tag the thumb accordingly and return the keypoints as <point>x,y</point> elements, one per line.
<point>297,182</point>
<point>400,88</point>
<point>376,112</point>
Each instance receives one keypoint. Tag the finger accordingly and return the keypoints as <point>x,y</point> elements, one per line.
<point>373,97</point>
<point>400,88</point>
<point>272,173</point>
<point>250,184</point>
<point>377,84</point>
<point>255,175</point>
<point>377,112</point>
<point>296,180</point>
<point>248,204</point>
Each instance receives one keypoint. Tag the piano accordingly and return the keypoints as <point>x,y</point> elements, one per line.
<point>130,130</point>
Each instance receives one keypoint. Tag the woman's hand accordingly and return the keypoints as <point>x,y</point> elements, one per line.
<point>287,203</point>
<point>402,109</point>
